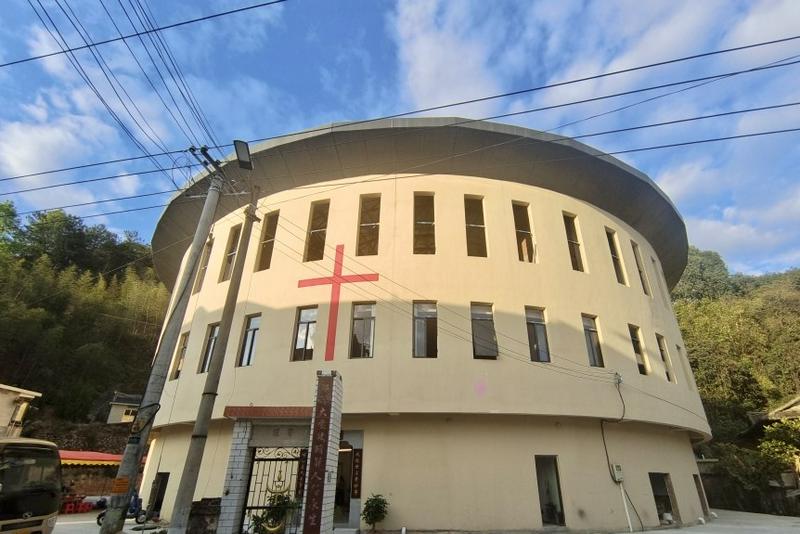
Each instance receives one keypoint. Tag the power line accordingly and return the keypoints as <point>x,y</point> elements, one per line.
<point>444,106</point>
<point>146,32</point>
<point>98,179</point>
<point>116,199</point>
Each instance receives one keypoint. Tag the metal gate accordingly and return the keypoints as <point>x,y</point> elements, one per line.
<point>275,492</point>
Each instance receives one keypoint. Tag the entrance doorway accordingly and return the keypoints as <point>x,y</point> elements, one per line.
<point>701,493</point>
<point>344,484</point>
<point>664,495</point>
<point>275,490</point>
<point>157,492</point>
<point>547,479</point>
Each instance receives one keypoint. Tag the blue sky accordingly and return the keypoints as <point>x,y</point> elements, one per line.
<point>305,62</point>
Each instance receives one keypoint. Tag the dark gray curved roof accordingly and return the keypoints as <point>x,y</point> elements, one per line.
<point>444,145</point>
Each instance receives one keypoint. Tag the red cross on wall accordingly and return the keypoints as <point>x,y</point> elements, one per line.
<point>336,282</point>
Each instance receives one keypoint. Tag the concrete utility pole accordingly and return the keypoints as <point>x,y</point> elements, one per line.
<point>183,499</point>
<point>125,483</point>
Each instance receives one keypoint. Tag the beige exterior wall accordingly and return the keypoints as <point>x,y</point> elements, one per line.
<point>454,382</point>
<point>477,472</point>
<point>457,451</point>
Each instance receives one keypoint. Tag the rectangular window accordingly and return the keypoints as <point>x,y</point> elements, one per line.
<point>425,330</point>
<point>662,348</point>
<point>201,271</point>
<point>537,334</point>
<point>523,235</point>
<point>251,325</point>
<point>660,281</point>
<point>636,341</point>
<point>484,340</point>
<point>304,334</point>
<point>424,224</point>
<point>267,244</point>
<point>573,243</point>
<point>664,495</point>
<point>616,260</point>
<point>640,267</point>
<point>180,355</point>
<point>211,341</point>
<point>362,340</point>
<point>230,253</point>
<point>476,229</point>
<point>549,485</point>
<point>317,229</point>
<point>592,341</point>
<point>369,225</point>
<point>687,367</point>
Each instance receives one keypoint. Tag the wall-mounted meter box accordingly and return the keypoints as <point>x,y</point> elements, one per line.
<point>616,472</point>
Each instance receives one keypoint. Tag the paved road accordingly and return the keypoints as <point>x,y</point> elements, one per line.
<point>85,524</point>
<point>727,522</point>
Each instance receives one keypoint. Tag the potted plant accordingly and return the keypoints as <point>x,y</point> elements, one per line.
<point>375,510</point>
<point>273,520</point>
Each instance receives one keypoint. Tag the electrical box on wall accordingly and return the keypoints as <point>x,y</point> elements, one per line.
<point>616,472</point>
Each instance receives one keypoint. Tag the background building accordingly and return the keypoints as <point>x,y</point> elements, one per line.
<point>504,331</point>
<point>122,408</point>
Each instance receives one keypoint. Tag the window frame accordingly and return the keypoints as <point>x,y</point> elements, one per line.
<point>637,343</point>
<point>592,334</point>
<point>231,250</point>
<point>297,324</point>
<point>532,323</point>
<point>574,246</point>
<point>202,269</point>
<point>208,347</point>
<point>249,339</point>
<point>414,329</point>
<point>473,319</point>
<point>643,278</point>
<point>266,243</point>
<point>180,356</point>
<point>616,257</point>
<point>353,320</point>
<point>475,229</point>
<point>666,359</point>
<point>419,224</point>
<point>522,235</point>
<point>365,227</point>
<point>313,232</point>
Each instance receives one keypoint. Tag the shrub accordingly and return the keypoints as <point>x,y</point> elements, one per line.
<point>375,510</point>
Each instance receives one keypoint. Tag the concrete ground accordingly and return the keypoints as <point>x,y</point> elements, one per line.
<point>726,522</point>
<point>86,524</point>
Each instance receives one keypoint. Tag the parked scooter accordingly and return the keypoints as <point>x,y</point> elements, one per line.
<point>135,511</point>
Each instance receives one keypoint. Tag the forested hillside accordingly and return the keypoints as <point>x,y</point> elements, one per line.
<point>81,311</point>
<point>742,334</point>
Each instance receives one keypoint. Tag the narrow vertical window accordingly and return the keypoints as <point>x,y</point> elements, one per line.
<point>369,225</point>
<point>662,349</point>
<point>636,341</point>
<point>180,355</point>
<point>424,224</point>
<point>522,232</point>
<point>425,330</point>
<point>317,229</point>
<point>484,340</point>
<point>616,260</point>
<point>537,334</point>
<point>211,341</point>
<point>592,341</point>
<point>573,243</point>
<point>476,229</point>
<point>304,334</point>
<point>660,281</point>
<point>251,326</point>
<point>267,244</point>
<point>687,367</point>
<point>363,336</point>
<point>201,271</point>
<point>230,253</point>
<point>640,267</point>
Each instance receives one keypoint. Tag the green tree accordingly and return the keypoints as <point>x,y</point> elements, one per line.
<point>705,276</point>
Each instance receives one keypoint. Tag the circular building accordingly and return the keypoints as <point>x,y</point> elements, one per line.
<point>496,302</point>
